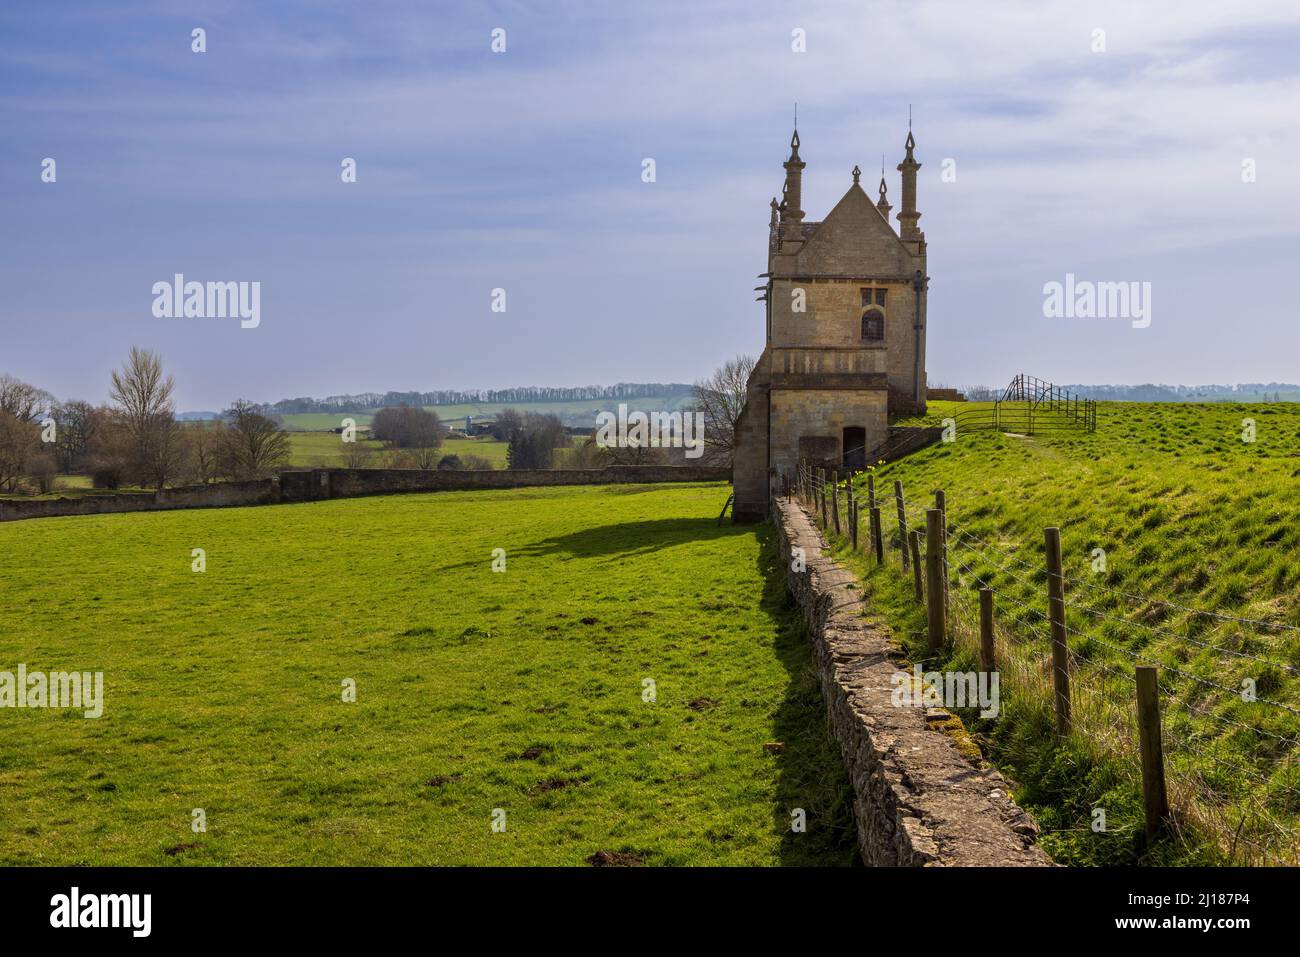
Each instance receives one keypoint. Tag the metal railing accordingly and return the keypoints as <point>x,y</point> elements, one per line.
<point>1029,405</point>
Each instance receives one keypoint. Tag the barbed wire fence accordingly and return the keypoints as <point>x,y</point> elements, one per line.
<point>1219,758</point>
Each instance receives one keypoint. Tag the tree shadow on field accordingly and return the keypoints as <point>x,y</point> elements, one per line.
<point>811,772</point>
<point>629,539</point>
<point>625,540</point>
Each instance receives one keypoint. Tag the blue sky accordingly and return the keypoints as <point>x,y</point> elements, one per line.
<point>522,170</point>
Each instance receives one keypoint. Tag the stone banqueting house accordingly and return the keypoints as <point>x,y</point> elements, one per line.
<point>845,335</point>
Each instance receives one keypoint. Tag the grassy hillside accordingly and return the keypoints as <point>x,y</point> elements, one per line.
<point>1191,520</point>
<point>521,690</point>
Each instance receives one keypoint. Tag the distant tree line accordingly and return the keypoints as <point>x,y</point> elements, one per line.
<point>364,401</point>
<point>1151,392</point>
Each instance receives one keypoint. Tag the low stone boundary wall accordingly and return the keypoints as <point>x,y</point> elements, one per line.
<point>216,495</point>
<point>309,485</point>
<point>917,800</point>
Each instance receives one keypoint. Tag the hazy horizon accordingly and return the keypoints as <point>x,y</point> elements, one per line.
<point>522,170</point>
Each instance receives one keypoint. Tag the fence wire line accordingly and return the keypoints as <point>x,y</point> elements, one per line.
<point>963,539</point>
<point>1093,586</point>
<point>1179,743</point>
<point>966,539</point>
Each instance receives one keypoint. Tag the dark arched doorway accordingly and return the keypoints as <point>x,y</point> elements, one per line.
<point>855,452</point>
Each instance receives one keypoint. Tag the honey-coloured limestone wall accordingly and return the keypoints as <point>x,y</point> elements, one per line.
<point>811,412</point>
<point>917,801</point>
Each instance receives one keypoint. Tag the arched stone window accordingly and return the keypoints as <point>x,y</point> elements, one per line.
<point>873,325</point>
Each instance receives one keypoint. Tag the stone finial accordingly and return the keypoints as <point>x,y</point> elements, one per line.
<point>791,195</point>
<point>857,173</point>
<point>908,215</point>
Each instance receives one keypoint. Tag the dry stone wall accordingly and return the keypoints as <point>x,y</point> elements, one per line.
<point>347,483</point>
<point>216,495</point>
<point>309,485</point>
<point>918,801</point>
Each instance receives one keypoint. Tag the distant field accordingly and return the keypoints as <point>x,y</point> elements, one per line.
<point>455,414</point>
<point>325,449</point>
<point>475,690</point>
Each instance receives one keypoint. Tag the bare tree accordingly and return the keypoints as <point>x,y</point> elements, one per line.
<point>584,454</point>
<point>76,423</point>
<point>721,397</point>
<point>506,423</point>
<point>43,469</point>
<point>356,455</point>
<point>143,397</point>
<point>252,445</point>
<point>626,455</point>
<point>19,442</point>
<point>203,445</point>
<point>425,457</point>
<point>24,402</point>
<point>110,451</point>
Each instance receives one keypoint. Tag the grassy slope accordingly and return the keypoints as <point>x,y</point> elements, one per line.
<point>224,687</point>
<point>1184,511</point>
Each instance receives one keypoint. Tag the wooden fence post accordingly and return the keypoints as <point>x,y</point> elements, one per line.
<point>871,490</point>
<point>934,578</point>
<point>902,521</point>
<point>835,500</point>
<point>988,660</point>
<point>853,519</point>
<point>1056,614</point>
<point>941,503</point>
<point>917,587</point>
<point>1154,798</point>
<point>877,540</point>
<point>821,483</point>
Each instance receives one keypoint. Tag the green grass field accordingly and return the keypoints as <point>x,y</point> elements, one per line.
<point>325,449</point>
<point>1186,512</point>
<point>475,690</point>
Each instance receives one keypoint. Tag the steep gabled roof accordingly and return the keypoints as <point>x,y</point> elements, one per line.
<point>854,240</point>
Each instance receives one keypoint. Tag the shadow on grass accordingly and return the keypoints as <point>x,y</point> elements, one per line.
<point>624,540</point>
<point>629,539</point>
<point>811,772</point>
